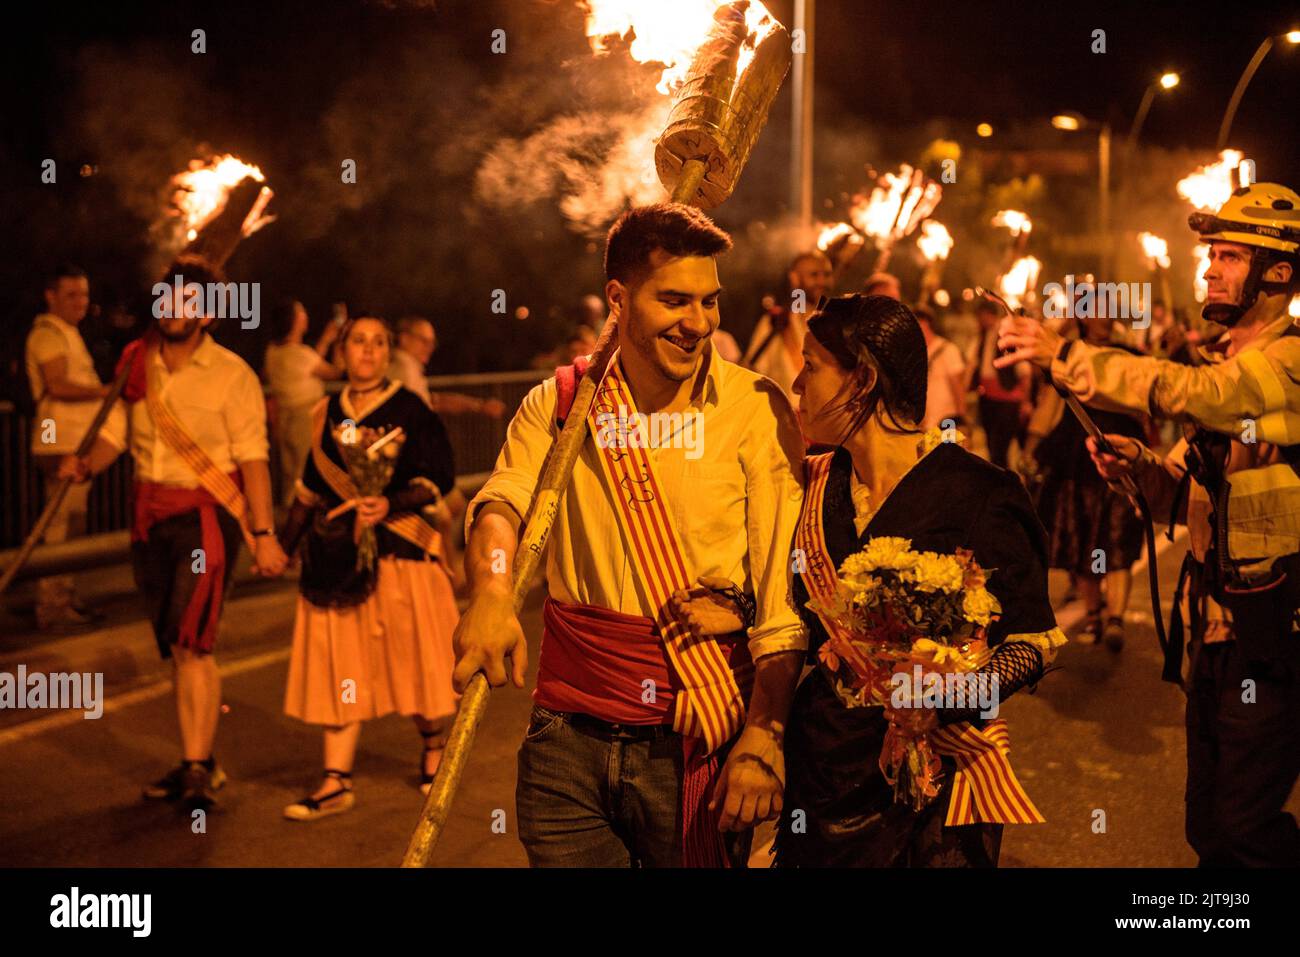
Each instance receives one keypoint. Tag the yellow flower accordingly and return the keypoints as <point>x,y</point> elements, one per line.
<point>934,572</point>
<point>926,649</point>
<point>883,552</point>
<point>979,605</point>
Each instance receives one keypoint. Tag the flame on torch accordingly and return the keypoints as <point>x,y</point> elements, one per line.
<point>202,190</point>
<point>896,206</point>
<point>1019,281</point>
<point>1016,221</point>
<point>935,242</point>
<point>1155,249</point>
<point>669,32</point>
<point>1210,186</point>
<point>837,233</point>
<point>1200,287</point>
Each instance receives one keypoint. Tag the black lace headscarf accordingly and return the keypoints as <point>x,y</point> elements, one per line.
<point>881,334</point>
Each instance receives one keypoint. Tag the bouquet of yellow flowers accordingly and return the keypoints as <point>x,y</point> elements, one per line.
<point>370,456</point>
<point>899,612</point>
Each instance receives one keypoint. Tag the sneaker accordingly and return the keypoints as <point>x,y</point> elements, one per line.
<point>1113,636</point>
<point>335,802</point>
<point>171,786</point>
<point>196,787</point>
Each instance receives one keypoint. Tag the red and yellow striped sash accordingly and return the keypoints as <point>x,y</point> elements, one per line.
<point>711,704</point>
<point>984,788</point>
<point>214,481</point>
<point>408,525</point>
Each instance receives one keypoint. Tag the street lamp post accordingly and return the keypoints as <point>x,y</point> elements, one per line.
<point>1166,81</point>
<point>1292,37</point>
<point>801,139</point>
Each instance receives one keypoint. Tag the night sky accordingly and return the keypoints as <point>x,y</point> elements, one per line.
<point>411,91</point>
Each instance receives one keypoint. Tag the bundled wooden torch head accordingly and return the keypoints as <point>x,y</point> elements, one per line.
<point>220,202</point>
<point>720,109</point>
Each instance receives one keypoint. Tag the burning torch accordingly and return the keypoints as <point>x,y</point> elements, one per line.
<point>894,209</point>
<point>715,120</point>
<point>219,203</point>
<point>935,243</point>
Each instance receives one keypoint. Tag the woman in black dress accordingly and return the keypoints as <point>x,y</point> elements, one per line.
<point>371,638</point>
<point>862,389</point>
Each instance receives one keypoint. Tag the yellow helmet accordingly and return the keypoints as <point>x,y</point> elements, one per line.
<point>1264,215</point>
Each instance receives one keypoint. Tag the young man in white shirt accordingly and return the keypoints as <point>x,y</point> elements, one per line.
<point>196,428</point>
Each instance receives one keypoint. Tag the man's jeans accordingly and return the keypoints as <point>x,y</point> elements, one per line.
<point>585,800</point>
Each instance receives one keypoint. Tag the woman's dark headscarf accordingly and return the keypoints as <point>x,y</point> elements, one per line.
<point>880,333</point>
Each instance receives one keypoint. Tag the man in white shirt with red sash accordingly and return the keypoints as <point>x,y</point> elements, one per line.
<point>197,434</point>
<point>636,704</point>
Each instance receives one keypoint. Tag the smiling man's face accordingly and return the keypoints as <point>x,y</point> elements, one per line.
<point>668,317</point>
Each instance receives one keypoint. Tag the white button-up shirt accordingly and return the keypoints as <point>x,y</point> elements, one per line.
<point>218,400</point>
<point>735,500</point>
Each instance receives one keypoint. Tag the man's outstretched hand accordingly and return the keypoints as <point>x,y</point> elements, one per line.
<point>1026,340</point>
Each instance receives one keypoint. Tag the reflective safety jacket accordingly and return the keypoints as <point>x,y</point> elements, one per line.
<point>1253,397</point>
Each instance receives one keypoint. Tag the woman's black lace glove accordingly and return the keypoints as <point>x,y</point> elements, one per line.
<point>1015,663</point>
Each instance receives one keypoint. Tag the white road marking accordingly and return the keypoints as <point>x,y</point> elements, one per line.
<point>157,689</point>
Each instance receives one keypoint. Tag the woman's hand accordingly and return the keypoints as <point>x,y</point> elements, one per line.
<point>371,510</point>
<point>752,781</point>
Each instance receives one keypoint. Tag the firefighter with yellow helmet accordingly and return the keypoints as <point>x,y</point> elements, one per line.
<point>1235,480</point>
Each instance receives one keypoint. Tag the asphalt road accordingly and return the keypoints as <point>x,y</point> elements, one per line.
<point>1099,748</point>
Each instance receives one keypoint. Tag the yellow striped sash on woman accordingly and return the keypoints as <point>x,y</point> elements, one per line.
<point>408,525</point>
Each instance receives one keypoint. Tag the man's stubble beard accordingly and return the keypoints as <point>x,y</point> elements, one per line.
<point>647,348</point>
<point>190,326</point>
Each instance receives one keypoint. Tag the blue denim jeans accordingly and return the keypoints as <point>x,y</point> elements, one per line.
<point>588,800</point>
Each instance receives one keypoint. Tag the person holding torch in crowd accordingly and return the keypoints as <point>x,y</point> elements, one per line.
<point>1242,577</point>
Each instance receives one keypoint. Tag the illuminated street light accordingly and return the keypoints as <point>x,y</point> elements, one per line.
<point>1292,37</point>
<point>1064,121</point>
<point>984,130</point>
<point>1166,81</point>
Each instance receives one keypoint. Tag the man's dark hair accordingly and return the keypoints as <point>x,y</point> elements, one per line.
<point>677,229</point>
<point>63,271</point>
<point>193,269</point>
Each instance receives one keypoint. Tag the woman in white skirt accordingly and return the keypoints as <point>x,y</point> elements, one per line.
<point>371,639</point>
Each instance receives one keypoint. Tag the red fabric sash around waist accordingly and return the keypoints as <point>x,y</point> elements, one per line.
<point>599,662</point>
<point>155,502</point>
